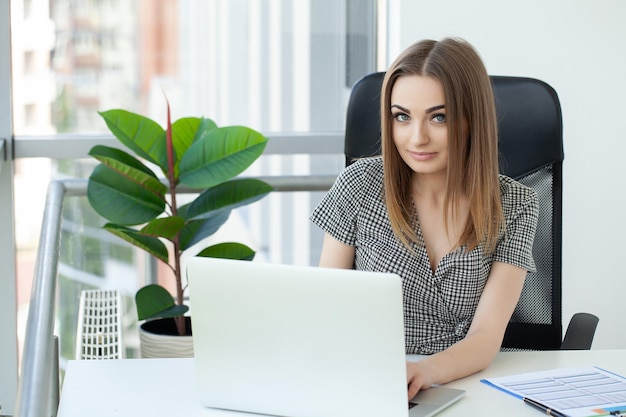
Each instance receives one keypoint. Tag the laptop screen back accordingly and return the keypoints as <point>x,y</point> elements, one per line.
<point>297,341</point>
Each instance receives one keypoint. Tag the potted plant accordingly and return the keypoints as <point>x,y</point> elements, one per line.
<point>143,209</point>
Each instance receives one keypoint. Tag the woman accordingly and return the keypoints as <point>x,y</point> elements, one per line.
<point>434,210</point>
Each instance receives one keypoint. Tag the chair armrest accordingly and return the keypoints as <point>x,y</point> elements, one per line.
<point>580,332</point>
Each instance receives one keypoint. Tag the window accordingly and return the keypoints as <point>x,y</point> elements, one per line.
<point>278,66</point>
<point>283,67</point>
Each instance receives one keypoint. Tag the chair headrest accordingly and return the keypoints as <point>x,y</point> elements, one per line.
<point>529,122</point>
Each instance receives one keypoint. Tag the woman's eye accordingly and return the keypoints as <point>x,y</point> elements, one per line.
<point>439,118</point>
<point>401,117</point>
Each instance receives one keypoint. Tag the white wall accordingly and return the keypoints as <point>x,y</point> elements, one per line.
<point>577,46</point>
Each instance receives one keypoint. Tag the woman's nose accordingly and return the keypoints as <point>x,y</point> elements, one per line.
<point>419,135</point>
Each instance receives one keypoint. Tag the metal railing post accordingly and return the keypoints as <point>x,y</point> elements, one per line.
<point>33,395</point>
<point>55,393</point>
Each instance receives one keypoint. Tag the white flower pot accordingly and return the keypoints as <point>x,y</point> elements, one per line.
<point>158,339</point>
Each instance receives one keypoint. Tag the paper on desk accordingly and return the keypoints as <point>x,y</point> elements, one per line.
<point>576,392</point>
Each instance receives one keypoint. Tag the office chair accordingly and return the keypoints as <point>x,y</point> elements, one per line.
<point>531,151</point>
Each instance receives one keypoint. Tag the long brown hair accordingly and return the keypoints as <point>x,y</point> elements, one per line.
<point>473,157</point>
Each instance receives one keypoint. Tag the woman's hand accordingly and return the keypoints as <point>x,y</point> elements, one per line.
<point>418,377</point>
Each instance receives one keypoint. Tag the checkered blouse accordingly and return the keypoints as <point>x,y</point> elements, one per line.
<point>439,306</point>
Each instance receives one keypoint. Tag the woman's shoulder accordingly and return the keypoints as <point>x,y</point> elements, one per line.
<point>515,194</point>
<point>364,169</point>
<point>509,185</point>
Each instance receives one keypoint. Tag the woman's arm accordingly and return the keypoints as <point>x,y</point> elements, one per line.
<point>484,337</point>
<point>336,254</point>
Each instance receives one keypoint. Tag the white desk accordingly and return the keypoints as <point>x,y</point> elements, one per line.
<point>165,387</point>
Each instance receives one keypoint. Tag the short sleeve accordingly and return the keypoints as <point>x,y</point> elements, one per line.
<point>521,211</point>
<point>337,213</point>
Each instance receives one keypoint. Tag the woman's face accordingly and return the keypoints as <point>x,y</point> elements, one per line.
<point>419,127</point>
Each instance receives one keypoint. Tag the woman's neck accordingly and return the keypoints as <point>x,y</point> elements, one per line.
<point>429,186</point>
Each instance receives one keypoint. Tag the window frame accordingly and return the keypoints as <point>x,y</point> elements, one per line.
<point>8,284</point>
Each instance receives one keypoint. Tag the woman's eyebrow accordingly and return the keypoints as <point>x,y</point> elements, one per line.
<point>401,108</point>
<point>435,108</point>
<point>427,111</point>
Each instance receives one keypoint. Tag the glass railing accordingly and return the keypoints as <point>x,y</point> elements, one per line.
<point>38,389</point>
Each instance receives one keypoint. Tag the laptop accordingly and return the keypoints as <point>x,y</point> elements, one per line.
<point>302,341</point>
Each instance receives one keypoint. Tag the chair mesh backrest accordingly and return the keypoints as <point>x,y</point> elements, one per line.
<point>99,331</point>
<point>535,304</point>
<point>531,151</point>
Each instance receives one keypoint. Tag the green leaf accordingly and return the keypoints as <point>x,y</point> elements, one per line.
<point>220,154</point>
<point>120,199</point>
<point>130,167</point>
<point>166,227</point>
<point>142,135</point>
<point>229,250</point>
<point>187,130</point>
<point>197,230</point>
<point>155,301</point>
<point>228,195</point>
<point>152,245</point>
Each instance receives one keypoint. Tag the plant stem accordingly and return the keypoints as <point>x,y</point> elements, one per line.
<point>180,321</point>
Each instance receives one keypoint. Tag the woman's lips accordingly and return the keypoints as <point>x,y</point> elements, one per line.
<point>423,156</point>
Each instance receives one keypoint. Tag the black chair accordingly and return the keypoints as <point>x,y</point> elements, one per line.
<point>531,151</point>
